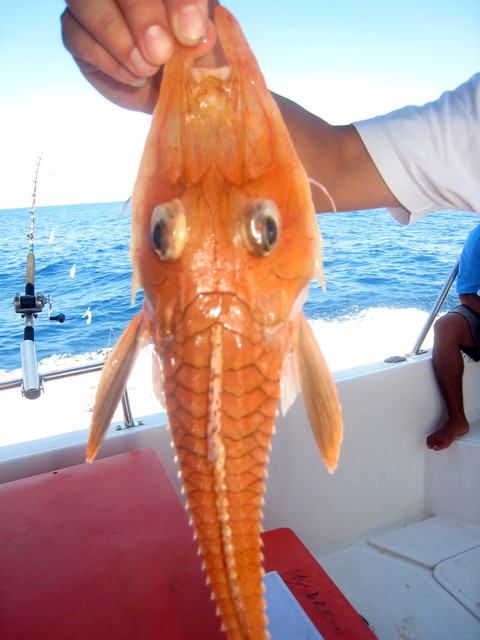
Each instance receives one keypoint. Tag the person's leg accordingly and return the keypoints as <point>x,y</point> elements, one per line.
<point>450,331</point>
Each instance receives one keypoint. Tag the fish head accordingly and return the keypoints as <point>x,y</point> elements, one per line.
<point>222,205</point>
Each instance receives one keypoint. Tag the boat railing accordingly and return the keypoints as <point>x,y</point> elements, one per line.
<point>128,421</point>
<point>417,347</point>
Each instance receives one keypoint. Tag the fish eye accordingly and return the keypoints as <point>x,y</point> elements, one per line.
<point>261,227</point>
<point>169,230</point>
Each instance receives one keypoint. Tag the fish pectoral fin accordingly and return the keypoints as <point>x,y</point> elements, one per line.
<point>289,382</point>
<point>114,379</point>
<point>158,379</point>
<point>320,395</point>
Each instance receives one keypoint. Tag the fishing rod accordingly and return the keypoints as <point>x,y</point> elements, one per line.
<point>29,306</point>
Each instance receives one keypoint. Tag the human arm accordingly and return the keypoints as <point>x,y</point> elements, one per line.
<point>120,47</point>
<point>336,157</point>
<point>120,50</point>
<point>426,156</point>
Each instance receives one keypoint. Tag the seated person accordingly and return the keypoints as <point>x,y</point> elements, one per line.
<point>458,333</point>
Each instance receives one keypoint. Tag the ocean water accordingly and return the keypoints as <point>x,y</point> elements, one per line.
<point>382,279</point>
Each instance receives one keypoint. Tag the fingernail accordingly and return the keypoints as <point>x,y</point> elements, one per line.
<point>130,79</point>
<point>141,82</point>
<point>140,65</point>
<point>189,25</point>
<point>158,44</point>
<point>126,76</point>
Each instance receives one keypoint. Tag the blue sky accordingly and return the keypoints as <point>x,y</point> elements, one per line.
<point>344,60</point>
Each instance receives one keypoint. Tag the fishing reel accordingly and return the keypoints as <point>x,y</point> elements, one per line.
<point>29,306</point>
<point>34,304</point>
<point>30,303</point>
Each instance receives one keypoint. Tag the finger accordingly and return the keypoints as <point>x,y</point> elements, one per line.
<point>104,22</point>
<point>189,20</point>
<point>155,27</point>
<point>150,29</point>
<point>209,52</point>
<point>89,54</point>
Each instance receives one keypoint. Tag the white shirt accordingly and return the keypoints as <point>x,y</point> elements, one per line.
<point>430,156</point>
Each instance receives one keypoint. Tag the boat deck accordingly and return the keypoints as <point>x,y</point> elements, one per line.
<point>417,581</point>
<point>420,579</point>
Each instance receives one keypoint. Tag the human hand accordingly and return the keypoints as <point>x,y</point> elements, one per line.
<point>120,46</point>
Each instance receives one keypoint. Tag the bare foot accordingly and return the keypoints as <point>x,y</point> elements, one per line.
<point>443,437</point>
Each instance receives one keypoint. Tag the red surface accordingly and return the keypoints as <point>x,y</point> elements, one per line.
<point>104,550</point>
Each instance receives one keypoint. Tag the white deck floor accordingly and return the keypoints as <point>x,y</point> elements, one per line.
<point>419,581</point>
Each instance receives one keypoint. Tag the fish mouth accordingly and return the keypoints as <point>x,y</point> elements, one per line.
<point>221,73</point>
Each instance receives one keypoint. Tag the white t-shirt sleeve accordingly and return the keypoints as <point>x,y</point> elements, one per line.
<point>429,156</point>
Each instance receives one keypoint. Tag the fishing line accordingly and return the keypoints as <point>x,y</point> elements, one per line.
<point>96,298</point>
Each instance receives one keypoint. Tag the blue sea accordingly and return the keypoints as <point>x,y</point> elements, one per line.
<point>376,271</point>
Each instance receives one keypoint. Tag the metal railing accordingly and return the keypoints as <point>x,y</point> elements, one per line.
<point>128,421</point>
<point>417,347</point>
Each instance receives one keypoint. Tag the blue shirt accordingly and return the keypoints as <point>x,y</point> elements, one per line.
<point>468,279</point>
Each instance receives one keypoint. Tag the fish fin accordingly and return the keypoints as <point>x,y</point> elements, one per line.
<point>318,268</point>
<point>320,395</point>
<point>289,382</point>
<point>158,378</point>
<point>114,379</point>
<point>135,282</point>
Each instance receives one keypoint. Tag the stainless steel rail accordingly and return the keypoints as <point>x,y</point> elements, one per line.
<point>75,371</point>
<point>435,310</point>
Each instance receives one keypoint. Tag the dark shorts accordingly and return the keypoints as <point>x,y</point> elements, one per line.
<point>474,324</point>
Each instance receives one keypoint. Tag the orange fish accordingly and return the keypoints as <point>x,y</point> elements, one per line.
<point>224,244</point>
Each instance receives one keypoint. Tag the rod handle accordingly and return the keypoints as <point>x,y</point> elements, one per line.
<point>30,275</point>
<point>31,387</point>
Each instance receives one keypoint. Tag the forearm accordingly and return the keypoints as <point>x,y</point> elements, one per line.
<point>336,157</point>
<point>471,301</point>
